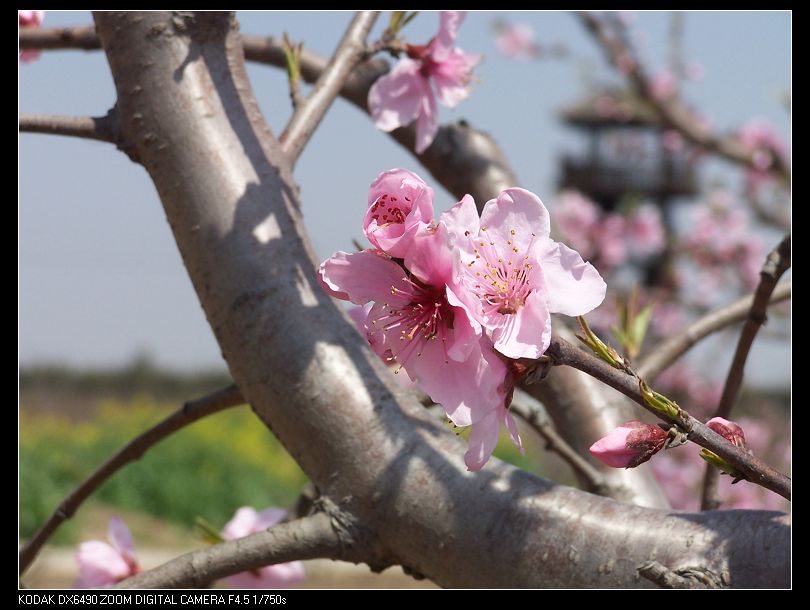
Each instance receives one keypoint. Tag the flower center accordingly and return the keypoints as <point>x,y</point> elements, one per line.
<point>427,317</point>
<point>388,210</point>
<point>503,284</point>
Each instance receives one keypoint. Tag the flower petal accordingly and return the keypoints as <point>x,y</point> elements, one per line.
<point>361,277</point>
<point>395,98</point>
<point>100,565</point>
<point>121,537</point>
<point>280,576</point>
<point>483,440</point>
<point>242,524</point>
<point>452,77</point>
<point>573,287</point>
<point>268,518</point>
<point>516,210</point>
<point>427,121</point>
<point>527,333</point>
<point>442,43</point>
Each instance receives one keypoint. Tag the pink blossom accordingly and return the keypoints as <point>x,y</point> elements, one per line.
<point>629,445</point>
<point>30,19</point>
<point>610,241</point>
<point>511,275</point>
<point>102,564</point>
<point>577,217</point>
<point>399,204</point>
<point>729,430</point>
<point>407,92</point>
<point>645,231</point>
<point>417,323</point>
<point>516,41</point>
<point>247,521</point>
<point>663,85</point>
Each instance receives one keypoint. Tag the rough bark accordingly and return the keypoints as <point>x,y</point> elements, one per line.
<point>186,105</point>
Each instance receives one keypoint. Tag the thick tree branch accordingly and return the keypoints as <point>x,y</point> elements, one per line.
<point>104,128</point>
<point>669,351</point>
<point>534,415</point>
<point>311,378</point>
<point>307,117</point>
<point>311,537</point>
<point>672,110</point>
<point>687,578</point>
<point>777,262</point>
<point>755,470</point>
<point>185,415</point>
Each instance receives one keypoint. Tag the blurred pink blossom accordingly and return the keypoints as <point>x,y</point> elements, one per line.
<point>645,231</point>
<point>102,564</point>
<point>516,41</point>
<point>663,85</point>
<point>247,521</point>
<point>30,19</point>
<point>672,141</point>
<point>407,92</point>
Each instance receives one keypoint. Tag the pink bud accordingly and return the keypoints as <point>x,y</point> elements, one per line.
<point>629,445</point>
<point>730,431</point>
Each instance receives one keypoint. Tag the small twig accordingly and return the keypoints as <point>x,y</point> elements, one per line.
<point>672,110</point>
<point>688,578</point>
<point>755,470</point>
<point>308,114</point>
<point>188,413</point>
<point>534,415</point>
<point>673,348</point>
<point>777,262</point>
<point>82,37</point>
<point>311,537</point>
<point>104,129</point>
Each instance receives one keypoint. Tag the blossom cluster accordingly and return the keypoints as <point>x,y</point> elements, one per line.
<point>457,301</point>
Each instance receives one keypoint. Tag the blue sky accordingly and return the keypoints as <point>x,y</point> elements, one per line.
<point>100,277</point>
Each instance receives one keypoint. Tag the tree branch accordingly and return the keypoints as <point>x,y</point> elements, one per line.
<point>777,262</point>
<point>311,537</point>
<point>534,415</point>
<point>755,470</point>
<point>104,129</point>
<point>672,110</point>
<point>463,159</point>
<point>330,400</point>
<point>669,351</point>
<point>185,415</point>
<point>309,114</point>
<point>685,578</point>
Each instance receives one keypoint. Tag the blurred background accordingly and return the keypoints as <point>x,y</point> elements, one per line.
<point>111,335</point>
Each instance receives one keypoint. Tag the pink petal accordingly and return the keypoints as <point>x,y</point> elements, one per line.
<point>519,210</point>
<point>100,565</point>
<point>407,185</point>
<point>268,518</point>
<point>483,440</point>
<point>527,333</point>
<point>511,426</point>
<point>452,77</point>
<point>573,287</point>
<point>427,121</point>
<point>430,257</point>
<point>121,537</point>
<point>361,277</point>
<point>30,19</point>
<point>467,390</point>
<point>442,44</point>
<point>242,524</point>
<point>29,55</point>
<point>461,220</point>
<point>279,576</point>
<point>395,98</point>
